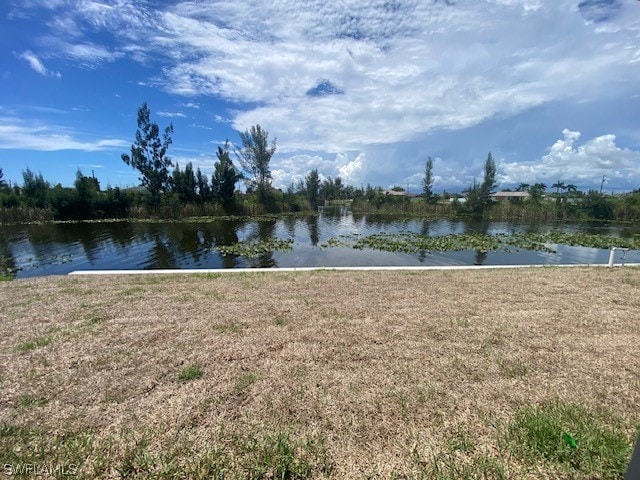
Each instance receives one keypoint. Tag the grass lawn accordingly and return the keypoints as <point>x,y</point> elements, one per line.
<point>525,373</point>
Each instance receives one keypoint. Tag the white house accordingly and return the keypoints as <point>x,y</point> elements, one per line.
<point>504,196</point>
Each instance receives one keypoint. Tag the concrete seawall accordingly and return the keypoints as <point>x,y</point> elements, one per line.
<point>315,269</point>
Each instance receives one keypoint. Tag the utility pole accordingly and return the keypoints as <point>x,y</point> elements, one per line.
<point>602,183</point>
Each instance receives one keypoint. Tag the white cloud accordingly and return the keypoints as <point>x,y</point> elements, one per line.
<point>49,139</point>
<point>403,70</point>
<point>205,163</point>
<point>172,114</point>
<point>36,64</point>
<point>351,171</point>
<point>86,54</point>
<point>570,162</point>
<point>286,171</point>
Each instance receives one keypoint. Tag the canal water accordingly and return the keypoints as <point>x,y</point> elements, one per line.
<point>59,248</point>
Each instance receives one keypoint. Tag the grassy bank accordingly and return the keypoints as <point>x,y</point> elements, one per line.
<point>485,374</point>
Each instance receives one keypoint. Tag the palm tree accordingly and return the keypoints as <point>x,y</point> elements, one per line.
<point>558,185</point>
<point>571,188</point>
<point>523,187</point>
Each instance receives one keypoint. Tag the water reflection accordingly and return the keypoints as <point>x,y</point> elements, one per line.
<point>7,261</point>
<point>223,233</point>
<point>60,248</point>
<point>161,255</point>
<point>312,225</point>
<point>262,232</point>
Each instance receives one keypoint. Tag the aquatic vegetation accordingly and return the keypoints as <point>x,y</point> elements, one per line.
<point>252,249</point>
<point>408,242</point>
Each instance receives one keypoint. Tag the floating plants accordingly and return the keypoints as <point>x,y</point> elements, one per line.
<point>407,242</point>
<point>255,249</point>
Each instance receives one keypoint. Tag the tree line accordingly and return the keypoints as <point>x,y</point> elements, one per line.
<point>169,190</point>
<point>567,203</point>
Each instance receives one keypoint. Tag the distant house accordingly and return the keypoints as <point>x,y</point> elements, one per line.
<point>395,193</point>
<point>504,196</point>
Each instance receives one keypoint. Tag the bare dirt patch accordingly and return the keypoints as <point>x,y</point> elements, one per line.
<point>339,374</point>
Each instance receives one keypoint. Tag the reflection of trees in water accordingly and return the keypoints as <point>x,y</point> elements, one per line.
<point>185,240</point>
<point>262,232</point>
<point>312,225</point>
<point>50,242</point>
<point>171,242</point>
<point>424,231</point>
<point>161,254</point>
<point>289,222</point>
<point>379,221</point>
<point>479,227</point>
<point>91,240</point>
<point>122,234</point>
<point>223,232</point>
<point>174,242</point>
<point>7,261</point>
<point>334,211</point>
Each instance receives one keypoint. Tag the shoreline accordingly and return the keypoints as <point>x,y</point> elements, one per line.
<point>403,268</point>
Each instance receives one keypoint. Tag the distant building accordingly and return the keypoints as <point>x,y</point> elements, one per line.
<point>504,196</point>
<point>395,193</point>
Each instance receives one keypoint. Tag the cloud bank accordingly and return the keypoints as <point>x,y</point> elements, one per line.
<point>349,81</point>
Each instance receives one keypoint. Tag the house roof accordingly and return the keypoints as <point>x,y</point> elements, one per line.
<point>511,194</point>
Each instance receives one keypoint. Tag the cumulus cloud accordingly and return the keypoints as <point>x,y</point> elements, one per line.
<point>36,64</point>
<point>568,161</point>
<point>352,171</point>
<point>290,170</point>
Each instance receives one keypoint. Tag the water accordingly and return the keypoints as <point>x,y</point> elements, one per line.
<point>54,249</point>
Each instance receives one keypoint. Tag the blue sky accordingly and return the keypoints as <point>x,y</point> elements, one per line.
<point>361,90</point>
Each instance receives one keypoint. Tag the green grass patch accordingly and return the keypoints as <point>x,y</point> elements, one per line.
<point>94,317</point>
<point>512,368</point>
<point>31,401</point>
<point>132,291</point>
<point>208,276</point>
<point>231,327</point>
<point>496,339</point>
<point>282,456</point>
<point>245,381</point>
<point>629,280</point>
<point>460,322</point>
<point>186,298</point>
<point>450,465</point>
<point>546,434</point>
<point>22,446</point>
<point>33,344</point>
<point>278,454</point>
<point>191,372</point>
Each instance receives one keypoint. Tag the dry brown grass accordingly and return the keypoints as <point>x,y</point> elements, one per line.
<point>390,369</point>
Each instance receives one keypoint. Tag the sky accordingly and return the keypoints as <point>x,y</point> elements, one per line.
<point>361,90</point>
